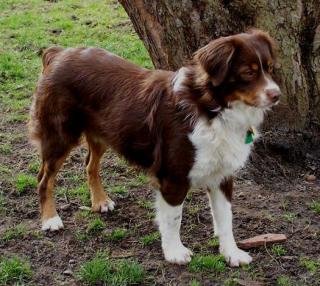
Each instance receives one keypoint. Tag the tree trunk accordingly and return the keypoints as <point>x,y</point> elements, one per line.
<point>173,30</point>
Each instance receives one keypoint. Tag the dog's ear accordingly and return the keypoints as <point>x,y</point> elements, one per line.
<point>215,58</point>
<point>265,38</point>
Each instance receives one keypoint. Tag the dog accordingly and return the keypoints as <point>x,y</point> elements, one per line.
<point>189,128</point>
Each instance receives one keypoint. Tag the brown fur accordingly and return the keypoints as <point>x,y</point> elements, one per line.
<point>114,103</point>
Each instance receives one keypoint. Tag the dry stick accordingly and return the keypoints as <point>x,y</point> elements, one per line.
<point>272,257</point>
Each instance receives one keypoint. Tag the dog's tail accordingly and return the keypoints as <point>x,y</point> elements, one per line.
<point>49,55</point>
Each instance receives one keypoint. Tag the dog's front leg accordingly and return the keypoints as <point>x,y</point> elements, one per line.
<point>222,217</point>
<point>169,221</point>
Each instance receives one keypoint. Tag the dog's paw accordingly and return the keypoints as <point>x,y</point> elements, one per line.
<point>236,257</point>
<point>52,224</point>
<point>104,207</point>
<point>177,254</point>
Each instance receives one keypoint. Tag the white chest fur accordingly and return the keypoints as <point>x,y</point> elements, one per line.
<point>220,144</point>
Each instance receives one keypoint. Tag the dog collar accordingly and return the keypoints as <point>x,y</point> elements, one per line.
<point>250,135</point>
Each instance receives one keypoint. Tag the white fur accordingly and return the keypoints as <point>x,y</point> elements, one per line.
<point>222,217</point>
<point>220,144</point>
<point>169,220</point>
<point>52,224</point>
<point>179,79</point>
<point>107,206</point>
<point>220,151</point>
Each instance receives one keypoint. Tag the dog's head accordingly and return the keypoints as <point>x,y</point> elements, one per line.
<point>240,67</point>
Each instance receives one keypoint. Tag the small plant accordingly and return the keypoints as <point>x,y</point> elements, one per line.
<point>82,235</point>
<point>278,250</point>
<point>214,263</point>
<point>119,190</point>
<point>2,203</point>
<point>290,217</point>
<point>15,232</point>
<point>34,167</point>
<point>315,206</point>
<point>102,270</point>
<point>95,226</point>
<point>25,182</point>
<point>150,238</point>
<point>284,281</point>
<point>82,193</point>
<point>213,242</point>
<point>194,283</point>
<point>5,149</point>
<point>145,204</point>
<point>311,265</point>
<point>117,234</point>
<point>14,271</point>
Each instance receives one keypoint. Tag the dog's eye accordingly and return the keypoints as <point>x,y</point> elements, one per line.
<point>248,75</point>
<point>270,68</point>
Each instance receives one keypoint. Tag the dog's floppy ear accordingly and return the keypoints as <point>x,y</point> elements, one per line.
<point>267,39</point>
<point>215,58</point>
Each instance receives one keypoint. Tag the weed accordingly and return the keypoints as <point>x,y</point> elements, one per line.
<point>18,231</point>
<point>290,217</point>
<point>214,263</point>
<point>95,226</point>
<point>145,204</point>
<point>14,271</point>
<point>278,250</point>
<point>213,242</point>
<point>2,203</point>
<point>117,234</point>
<point>119,190</point>
<point>315,206</point>
<point>284,281</point>
<point>194,283</point>
<point>34,167</point>
<point>25,182</point>
<point>5,149</point>
<point>150,238</point>
<point>311,265</point>
<point>102,270</point>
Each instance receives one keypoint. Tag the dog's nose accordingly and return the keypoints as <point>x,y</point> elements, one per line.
<point>273,94</point>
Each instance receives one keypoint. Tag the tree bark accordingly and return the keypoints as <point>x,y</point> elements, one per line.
<point>173,30</point>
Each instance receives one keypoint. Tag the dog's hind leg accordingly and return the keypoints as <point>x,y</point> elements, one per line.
<point>99,198</point>
<point>48,171</point>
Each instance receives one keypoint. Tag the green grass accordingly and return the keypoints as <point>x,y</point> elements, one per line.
<point>284,281</point>
<point>95,226</point>
<point>34,167</point>
<point>5,148</point>
<point>212,263</point>
<point>150,238</point>
<point>194,283</point>
<point>117,234</point>
<point>18,231</point>
<point>290,217</point>
<point>14,271</point>
<point>25,183</point>
<point>122,190</point>
<point>213,242</point>
<point>315,206</point>
<point>102,270</point>
<point>313,266</point>
<point>145,204</point>
<point>278,250</point>
<point>2,203</point>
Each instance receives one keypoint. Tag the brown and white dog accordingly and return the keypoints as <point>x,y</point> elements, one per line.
<point>186,128</point>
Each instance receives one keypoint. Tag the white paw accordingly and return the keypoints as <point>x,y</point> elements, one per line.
<point>52,224</point>
<point>107,206</point>
<point>236,257</point>
<point>177,254</point>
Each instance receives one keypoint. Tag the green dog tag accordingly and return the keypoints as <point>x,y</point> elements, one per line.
<point>249,136</point>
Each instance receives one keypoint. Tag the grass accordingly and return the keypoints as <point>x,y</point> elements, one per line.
<point>18,231</point>
<point>213,242</point>
<point>2,203</point>
<point>102,270</point>
<point>212,263</point>
<point>14,271</point>
<point>194,283</point>
<point>278,250</point>
<point>150,238</point>
<point>117,234</point>
<point>284,281</point>
<point>25,183</point>
<point>95,226</point>
<point>122,190</point>
<point>313,266</point>
<point>315,206</point>
<point>290,217</point>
